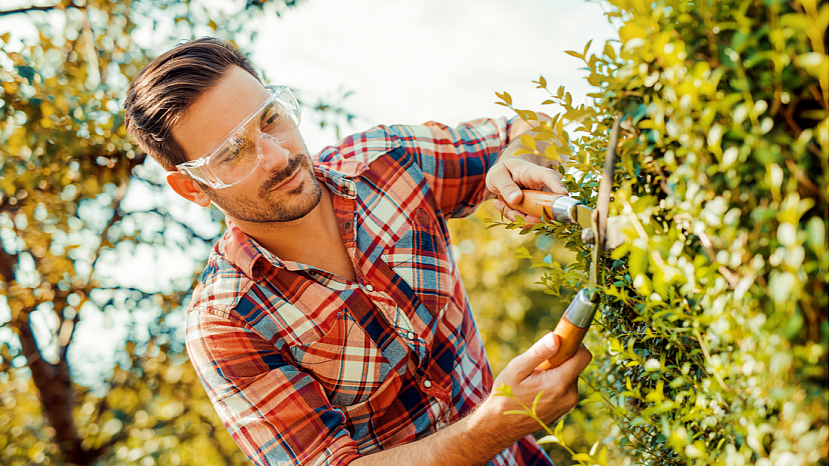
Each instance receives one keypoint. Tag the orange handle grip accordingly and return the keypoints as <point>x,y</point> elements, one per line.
<point>570,337</point>
<point>535,203</point>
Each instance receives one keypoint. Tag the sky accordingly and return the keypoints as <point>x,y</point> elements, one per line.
<point>403,61</point>
<point>409,62</point>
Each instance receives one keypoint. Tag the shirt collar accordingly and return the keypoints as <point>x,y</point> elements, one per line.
<point>250,257</point>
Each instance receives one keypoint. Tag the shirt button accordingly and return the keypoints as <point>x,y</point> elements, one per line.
<point>370,288</point>
<point>347,225</point>
<point>312,272</point>
<point>410,335</point>
<point>427,383</point>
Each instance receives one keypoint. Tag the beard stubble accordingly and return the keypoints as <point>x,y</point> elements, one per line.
<point>261,209</point>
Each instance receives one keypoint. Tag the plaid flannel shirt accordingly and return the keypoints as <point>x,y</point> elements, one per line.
<point>305,368</point>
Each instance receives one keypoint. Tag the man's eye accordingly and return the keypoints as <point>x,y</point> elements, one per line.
<point>238,146</point>
<point>270,118</point>
<point>230,158</point>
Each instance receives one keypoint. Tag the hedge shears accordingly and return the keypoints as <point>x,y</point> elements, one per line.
<point>574,324</point>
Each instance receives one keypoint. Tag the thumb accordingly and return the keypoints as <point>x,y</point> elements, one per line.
<point>541,351</point>
<point>511,193</point>
<point>500,181</point>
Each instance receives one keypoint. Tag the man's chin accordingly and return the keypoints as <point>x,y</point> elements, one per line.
<point>277,206</point>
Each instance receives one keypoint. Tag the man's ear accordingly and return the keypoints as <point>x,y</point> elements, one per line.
<point>187,188</point>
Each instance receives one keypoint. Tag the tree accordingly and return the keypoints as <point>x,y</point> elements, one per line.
<point>78,207</point>
<point>711,344</point>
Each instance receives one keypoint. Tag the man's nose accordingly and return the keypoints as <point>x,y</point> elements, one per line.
<point>274,156</point>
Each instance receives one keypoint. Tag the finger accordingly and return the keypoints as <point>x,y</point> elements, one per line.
<point>506,211</point>
<point>500,206</point>
<point>537,177</point>
<point>548,178</point>
<point>544,349</point>
<point>500,181</point>
<point>571,368</point>
<point>512,214</point>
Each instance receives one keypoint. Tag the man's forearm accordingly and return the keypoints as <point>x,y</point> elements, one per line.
<point>472,441</point>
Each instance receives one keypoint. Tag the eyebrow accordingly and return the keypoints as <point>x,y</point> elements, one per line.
<point>265,111</point>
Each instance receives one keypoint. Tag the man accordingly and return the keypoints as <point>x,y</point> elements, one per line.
<point>330,325</point>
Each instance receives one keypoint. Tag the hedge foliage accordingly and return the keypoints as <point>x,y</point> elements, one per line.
<point>711,346</point>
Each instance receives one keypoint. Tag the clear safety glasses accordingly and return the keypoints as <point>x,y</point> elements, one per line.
<point>240,153</point>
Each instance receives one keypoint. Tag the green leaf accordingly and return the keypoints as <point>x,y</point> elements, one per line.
<point>549,439</point>
<point>637,258</point>
<point>528,141</point>
<point>583,457</point>
<point>602,457</point>
<point>522,253</point>
<point>536,401</point>
<point>559,429</point>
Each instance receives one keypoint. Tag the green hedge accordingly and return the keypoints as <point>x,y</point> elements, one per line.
<point>711,347</point>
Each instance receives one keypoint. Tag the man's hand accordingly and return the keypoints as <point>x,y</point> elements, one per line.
<point>558,387</point>
<point>511,173</point>
<point>475,439</point>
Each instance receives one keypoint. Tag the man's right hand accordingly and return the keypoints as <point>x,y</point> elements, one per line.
<point>559,387</point>
<point>477,438</point>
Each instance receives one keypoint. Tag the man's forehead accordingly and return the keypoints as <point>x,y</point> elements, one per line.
<point>218,111</point>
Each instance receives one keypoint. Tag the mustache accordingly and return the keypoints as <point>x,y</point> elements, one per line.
<point>283,175</point>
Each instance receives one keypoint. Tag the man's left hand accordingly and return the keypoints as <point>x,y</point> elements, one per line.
<point>513,173</point>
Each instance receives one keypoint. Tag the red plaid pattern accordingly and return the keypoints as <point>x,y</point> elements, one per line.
<point>305,368</point>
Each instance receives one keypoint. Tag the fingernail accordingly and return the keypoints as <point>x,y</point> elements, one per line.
<point>513,197</point>
<point>550,342</point>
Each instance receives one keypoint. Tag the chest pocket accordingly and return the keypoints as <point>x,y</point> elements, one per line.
<point>344,360</point>
<point>420,258</point>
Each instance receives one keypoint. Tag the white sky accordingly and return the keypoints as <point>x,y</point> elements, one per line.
<point>406,62</point>
<point>414,61</point>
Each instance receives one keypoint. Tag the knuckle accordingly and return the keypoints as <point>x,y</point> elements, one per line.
<point>537,351</point>
<point>510,368</point>
<point>571,398</point>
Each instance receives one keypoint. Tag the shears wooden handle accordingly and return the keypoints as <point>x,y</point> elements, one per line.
<point>572,328</point>
<point>551,206</point>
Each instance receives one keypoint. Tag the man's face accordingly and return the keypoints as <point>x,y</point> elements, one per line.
<point>282,188</point>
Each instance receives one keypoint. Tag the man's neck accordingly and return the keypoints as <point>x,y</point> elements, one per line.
<point>313,240</point>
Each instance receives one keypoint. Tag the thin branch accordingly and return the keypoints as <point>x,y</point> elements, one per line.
<point>708,247</point>
<point>663,186</point>
<point>802,177</point>
<point>709,360</point>
<point>7,263</point>
<point>30,9</point>
<point>116,216</point>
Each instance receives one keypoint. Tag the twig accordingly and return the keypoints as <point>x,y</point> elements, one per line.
<point>708,248</point>
<point>29,9</point>
<point>709,360</point>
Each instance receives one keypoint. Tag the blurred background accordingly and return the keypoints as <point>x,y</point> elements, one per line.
<point>98,256</point>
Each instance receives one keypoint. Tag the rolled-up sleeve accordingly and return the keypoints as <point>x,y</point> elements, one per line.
<point>455,161</point>
<point>277,414</point>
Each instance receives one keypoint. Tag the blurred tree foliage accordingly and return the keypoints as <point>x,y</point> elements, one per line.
<point>81,216</point>
<point>711,345</point>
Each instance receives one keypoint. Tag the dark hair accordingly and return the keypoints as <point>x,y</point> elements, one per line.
<point>164,89</point>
